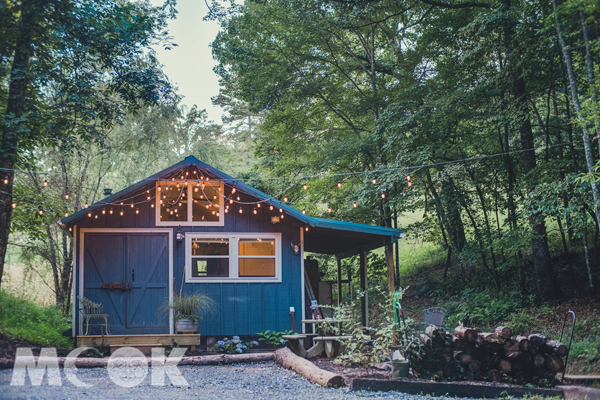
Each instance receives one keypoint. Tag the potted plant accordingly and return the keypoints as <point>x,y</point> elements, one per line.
<point>187,310</point>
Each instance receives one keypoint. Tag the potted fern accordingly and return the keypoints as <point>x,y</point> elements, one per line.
<point>187,309</point>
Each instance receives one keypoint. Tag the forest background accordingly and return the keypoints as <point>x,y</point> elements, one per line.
<point>470,125</point>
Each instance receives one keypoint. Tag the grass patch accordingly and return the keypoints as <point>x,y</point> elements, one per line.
<point>26,320</point>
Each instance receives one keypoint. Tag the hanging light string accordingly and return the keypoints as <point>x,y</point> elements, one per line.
<point>11,171</point>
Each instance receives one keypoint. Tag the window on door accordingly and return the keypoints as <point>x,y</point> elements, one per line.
<point>189,203</point>
<point>233,257</point>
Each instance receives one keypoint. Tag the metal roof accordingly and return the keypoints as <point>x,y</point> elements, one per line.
<point>320,228</point>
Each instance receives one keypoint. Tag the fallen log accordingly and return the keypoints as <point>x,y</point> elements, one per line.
<point>287,359</point>
<point>468,334</point>
<point>219,359</point>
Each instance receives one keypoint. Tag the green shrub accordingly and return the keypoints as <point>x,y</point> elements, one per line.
<point>484,308</point>
<point>26,320</point>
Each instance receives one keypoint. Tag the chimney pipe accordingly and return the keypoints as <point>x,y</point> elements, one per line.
<point>107,192</point>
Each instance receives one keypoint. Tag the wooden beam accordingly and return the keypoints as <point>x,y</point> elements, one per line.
<point>389,257</point>
<point>364,286</point>
<point>339,279</point>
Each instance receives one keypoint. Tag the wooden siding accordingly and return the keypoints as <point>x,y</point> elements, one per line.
<point>243,308</point>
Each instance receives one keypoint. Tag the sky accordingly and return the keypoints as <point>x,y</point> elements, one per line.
<point>189,65</point>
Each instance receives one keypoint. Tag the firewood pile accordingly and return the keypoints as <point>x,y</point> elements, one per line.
<point>497,356</point>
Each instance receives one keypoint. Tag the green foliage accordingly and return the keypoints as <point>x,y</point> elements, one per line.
<point>275,339</point>
<point>485,308</point>
<point>23,319</point>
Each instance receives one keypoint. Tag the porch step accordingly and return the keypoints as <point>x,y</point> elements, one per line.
<point>138,340</point>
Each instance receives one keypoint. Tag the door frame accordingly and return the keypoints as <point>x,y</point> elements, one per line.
<point>82,233</point>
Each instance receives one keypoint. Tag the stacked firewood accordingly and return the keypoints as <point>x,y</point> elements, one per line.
<point>497,356</point>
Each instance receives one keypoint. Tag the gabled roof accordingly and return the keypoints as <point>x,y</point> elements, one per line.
<point>324,228</point>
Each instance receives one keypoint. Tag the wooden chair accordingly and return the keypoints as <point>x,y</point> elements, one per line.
<point>434,316</point>
<point>91,310</point>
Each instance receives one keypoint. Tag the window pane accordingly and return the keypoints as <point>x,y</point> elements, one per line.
<point>210,247</point>
<point>206,203</point>
<point>174,201</point>
<point>210,267</point>
<point>257,247</point>
<point>257,267</point>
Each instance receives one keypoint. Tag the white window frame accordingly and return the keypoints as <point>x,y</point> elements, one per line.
<point>233,238</point>
<point>190,188</point>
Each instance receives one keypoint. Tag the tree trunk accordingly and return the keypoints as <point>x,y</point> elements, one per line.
<point>545,277</point>
<point>15,108</point>
<point>310,371</point>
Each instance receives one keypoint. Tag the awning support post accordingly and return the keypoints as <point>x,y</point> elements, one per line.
<point>339,283</point>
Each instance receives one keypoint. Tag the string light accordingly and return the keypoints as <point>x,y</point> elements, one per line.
<point>121,213</point>
<point>67,196</point>
<point>271,207</point>
<point>280,209</point>
<point>6,180</point>
<point>329,209</point>
<point>96,216</point>
<point>409,183</point>
<point>66,214</point>
<point>238,198</point>
<point>254,211</point>
<point>45,182</point>
<point>87,205</point>
<point>232,190</point>
<point>151,205</point>
<point>282,216</point>
<point>306,229</point>
<point>137,210</point>
<point>41,211</point>
<point>14,205</point>
<point>304,211</point>
<point>305,186</point>
<point>408,177</point>
<point>354,205</point>
<point>285,199</point>
<point>90,215</point>
<point>131,205</point>
<point>382,195</point>
<point>258,205</point>
<point>110,211</point>
<point>103,211</point>
<point>339,184</point>
<point>374,181</point>
<point>241,210</point>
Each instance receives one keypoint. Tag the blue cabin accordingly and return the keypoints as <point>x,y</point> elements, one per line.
<point>191,228</point>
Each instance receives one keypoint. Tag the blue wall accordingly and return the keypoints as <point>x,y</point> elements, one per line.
<point>243,308</point>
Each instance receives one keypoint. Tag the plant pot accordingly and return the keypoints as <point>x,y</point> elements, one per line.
<point>400,368</point>
<point>185,324</point>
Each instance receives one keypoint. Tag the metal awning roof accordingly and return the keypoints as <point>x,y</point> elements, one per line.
<point>324,236</point>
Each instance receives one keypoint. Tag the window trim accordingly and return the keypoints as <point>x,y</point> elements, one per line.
<point>233,257</point>
<point>189,221</point>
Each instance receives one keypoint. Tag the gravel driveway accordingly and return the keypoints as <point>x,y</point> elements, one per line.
<point>253,381</point>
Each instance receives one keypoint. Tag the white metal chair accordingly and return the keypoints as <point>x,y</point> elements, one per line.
<point>91,310</point>
<point>434,316</point>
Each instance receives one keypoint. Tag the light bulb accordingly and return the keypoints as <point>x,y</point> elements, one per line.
<point>354,205</point>
<point>258,205</point>
<point>217,214</point>
<point>196,189</point>
<point>285,199</point>
<point>271,207</point>
<point>110,211</point>
<point>383,195</point>
<point>86,205</point>
<point>232,190</point>
<point>89,214</point>
<point>66,196</point>
<point>374,181</point>
<point>70,229</point>
<point>131,205</point>
<point>103,211</point>
<point>254,211</point>
<point>121,213</point>
<point>159,188</point>
<point>186,173</point>
<point>45,182</point>
<point>280,209</point>
<point>304,211</point>
<point>282,216</point>
<point>328,209</point>
<point>409,183</point>
<point>230,201</point>
<point>14,205</point>
<point>66,214</point>
<point>339,184</point>
<point>41,212</point>
<point>238,198</point>
<point>408,177</point>
<point>96,216</point>
<point>305,186</point>
<point>137,211</point>
<point>6,180</point>
<point>227,210</point>
<point>306,229</point>
<point>148,198</point>
<point>241,210</point>
<point>213,212</point>
<point>151,205</point>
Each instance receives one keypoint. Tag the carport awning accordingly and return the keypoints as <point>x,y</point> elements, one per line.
<point>345,239</point>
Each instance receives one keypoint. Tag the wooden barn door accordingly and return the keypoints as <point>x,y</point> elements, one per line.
<point>141,259</point>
